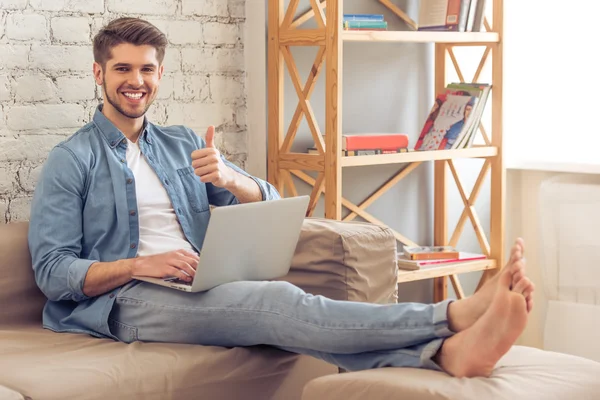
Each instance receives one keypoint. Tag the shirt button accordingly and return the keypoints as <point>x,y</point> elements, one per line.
<point>179,210</point>
<point>111,295</point>
<point>129,181</point>
<point>112,143</point>
<point>124,141</point>
<point>132,213</point>
<point>132,245</point>
<point>166,182</point>
<point>123,161</point>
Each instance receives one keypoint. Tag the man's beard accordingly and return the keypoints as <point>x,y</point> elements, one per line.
<point>117,107</point>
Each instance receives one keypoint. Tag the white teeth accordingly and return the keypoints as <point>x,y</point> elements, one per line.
<point>135,96</point>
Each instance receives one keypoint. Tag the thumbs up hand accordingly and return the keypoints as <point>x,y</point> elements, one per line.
<point>209,165</point>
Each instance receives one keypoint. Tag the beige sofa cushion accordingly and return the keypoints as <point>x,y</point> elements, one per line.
<point>353,261</point>
<point>9,394</point>
<point>45,365</point>
<point>522,374</point>
<point>21,299</point>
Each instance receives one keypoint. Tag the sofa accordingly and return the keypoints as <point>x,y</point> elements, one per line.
<point>341,260</point>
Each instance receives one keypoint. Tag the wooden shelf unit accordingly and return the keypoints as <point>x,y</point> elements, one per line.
<point>421,37</point>
<point>283,164</point>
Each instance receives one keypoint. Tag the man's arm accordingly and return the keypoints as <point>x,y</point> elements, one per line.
<point>225,182</point>
<point>56,227</point>
<point>56,233</point>
<point>103,277</point>
<point>244,188</point>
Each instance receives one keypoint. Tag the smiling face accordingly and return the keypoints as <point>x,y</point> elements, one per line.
<point>130,79</point>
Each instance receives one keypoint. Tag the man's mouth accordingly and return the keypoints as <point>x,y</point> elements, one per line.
<point>134,97</point>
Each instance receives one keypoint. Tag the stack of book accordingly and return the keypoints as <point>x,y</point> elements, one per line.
<point>454,119</point>
<point>370,144</point>
<point>416,258</point>
<point>451,15</point>
<point>364,22</point>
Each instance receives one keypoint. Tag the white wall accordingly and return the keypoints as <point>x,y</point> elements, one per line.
<point>47,89</point>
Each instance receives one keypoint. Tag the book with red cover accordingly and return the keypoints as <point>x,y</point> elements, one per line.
<point>374,141</point>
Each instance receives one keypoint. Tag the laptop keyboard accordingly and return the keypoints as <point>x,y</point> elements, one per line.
<point>178,281</point>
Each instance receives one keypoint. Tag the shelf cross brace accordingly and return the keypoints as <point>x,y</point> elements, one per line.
<point>351,206</point>
<point>303,100</point>
<point>307,92</point>
<point>461,77</point>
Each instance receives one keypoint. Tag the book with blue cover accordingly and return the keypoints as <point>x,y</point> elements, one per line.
<point>363,17</point>
<point>365,25</point>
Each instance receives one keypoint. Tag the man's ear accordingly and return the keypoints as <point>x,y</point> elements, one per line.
<point>161,69</point>
<point>98,74</point>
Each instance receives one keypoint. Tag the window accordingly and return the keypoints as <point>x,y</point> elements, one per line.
<point>551,85</point>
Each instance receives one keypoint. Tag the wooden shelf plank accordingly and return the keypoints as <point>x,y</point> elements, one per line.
<point>302,37</point>
<point>419,156</point>
<point>445,270</point>
<point>302,161</point>
<point>420,37</point>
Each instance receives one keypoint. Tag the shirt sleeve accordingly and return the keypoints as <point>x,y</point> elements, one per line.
<point>218,196</point>
<point>56,228</point>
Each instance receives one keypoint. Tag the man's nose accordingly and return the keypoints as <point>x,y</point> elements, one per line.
<point>135,79</point>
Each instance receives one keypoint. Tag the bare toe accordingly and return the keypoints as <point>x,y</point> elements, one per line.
<point>524,285</point>
<point>529,304</point>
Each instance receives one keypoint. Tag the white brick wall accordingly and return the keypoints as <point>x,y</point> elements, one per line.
<point>47,89</point>
<point>71,29</point>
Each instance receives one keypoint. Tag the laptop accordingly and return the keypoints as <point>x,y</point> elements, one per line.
<point>245,242</point>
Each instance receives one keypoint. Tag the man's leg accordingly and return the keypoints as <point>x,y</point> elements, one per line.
<point>351,335</point>
<point>282,315</point>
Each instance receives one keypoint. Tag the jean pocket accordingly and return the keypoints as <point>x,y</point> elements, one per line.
<point>125,333</point>
<point>194,189</point>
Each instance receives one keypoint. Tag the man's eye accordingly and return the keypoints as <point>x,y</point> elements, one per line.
<point>148,70</point>
<point>122,69</point>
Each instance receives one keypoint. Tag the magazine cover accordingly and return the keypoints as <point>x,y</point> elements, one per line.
<point>479,90</point>
<point>447,122</point>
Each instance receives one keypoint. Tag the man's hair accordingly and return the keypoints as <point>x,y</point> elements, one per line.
<point>128,30</point>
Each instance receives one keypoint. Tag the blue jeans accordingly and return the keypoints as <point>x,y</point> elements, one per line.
<point>351,335</point>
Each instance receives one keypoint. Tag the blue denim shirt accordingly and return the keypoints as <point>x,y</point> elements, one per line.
<point>84,210</point>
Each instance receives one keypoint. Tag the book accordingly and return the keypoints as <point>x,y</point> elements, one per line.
<point>414,265</point>
<point>431,252</point>
<point>471,16</point>
<point>365,29</point>
<point>478,17</point>
<point>363,17</point>
<point>365,152</point>
<point>365,24</point>
<point>463,15</point>
<point>439,15</point>
<point>447,122</point>
<point>373,141</point>
<point>482,91</point>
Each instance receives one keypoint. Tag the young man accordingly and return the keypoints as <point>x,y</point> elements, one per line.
<point>124,197</point>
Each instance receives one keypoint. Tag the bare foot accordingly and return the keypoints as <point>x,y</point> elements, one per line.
<point>464,313</point>
<point>521,283</point>
<point>475,351</point>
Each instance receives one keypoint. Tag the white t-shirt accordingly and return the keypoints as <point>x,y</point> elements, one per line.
<point>160,231</point>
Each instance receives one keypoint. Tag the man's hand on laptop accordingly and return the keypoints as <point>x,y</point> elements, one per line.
<point>179,263</point>
<point>209,165</point>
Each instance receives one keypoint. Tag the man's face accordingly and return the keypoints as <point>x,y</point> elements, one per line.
<point>130,79</point>
<point>468,110</point>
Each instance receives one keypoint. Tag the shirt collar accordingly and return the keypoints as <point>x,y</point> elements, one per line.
<point>112,134</point>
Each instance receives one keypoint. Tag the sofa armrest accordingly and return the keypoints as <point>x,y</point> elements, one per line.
<point>352,261</point>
